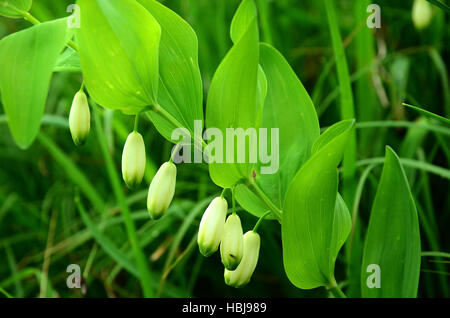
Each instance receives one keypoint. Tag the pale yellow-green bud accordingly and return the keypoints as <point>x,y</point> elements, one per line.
<point>422,14</point>
<point>80,118</point>
<point>161,190</point>
<point>243,273</point>
<point>232,244</point>
<point>211,226</point>
<point>133,160</point>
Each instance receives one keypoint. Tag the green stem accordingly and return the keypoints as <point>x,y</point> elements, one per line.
<point>411,163</point>
<point>178,146</point>
<point>277,212</point>
<point>223,192</point>
<point>4,292</point>
<point>136,123</point>
<point>161,111</point>
<point>28,17</point>
<point>335,290</point>
<point>233,200</point>
<point>255,229</point>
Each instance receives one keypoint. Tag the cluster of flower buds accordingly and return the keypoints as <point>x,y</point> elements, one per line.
<point>422,13</point>
<point>239,253</point>
<point>162,187</point>
<point>242,274</point>
<point>80,118</point>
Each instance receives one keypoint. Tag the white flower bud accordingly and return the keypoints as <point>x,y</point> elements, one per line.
<point>422,13</point>
<point>133,160</point>
<point>211,226</point>
<point>242,274</point>
<point>232,244</point>
<point>79,118</point>
<point>161,190</point>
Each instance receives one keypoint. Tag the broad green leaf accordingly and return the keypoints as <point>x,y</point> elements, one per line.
<point>14,8</point>
<point>393,236</point>
<point>69,61</point>
<point>289,109</point>
<point>28,58</point>
<point>180,87</point>
<point>315,221</point>
<point>118,43</point>
<point>233,96</point>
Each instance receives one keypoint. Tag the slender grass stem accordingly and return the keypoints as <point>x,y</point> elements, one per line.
<point>73,172</point>
<point>435,254</point>
<point>4,292</point>
<point>346,102</point>
<point>48,255</point>
<point>429,114</point>
<point>439,171</point>
<point>143,267</point>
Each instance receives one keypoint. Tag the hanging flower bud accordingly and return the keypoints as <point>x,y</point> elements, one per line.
<point>232,244</point>
<point>133,160</point>
<point>161,190</point>
<point>242,274</point>
<point>79,118</point>
<point>211,226</point>
<point>422,13</point>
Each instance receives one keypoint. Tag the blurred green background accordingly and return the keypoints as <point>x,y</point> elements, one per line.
<point>41,231</point>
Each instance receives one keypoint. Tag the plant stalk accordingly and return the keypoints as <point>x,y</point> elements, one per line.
<point>277,212</point>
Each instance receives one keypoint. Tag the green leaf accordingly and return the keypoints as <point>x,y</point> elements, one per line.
<point>289,109</point>
<point>393,236</point>
<point>13,8</point>
<point>69,61</point>
<point>315,220</point>
<point>233,96</point>
<point>119,50</point>
<point>180,87</point>
<point>29,57</point>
